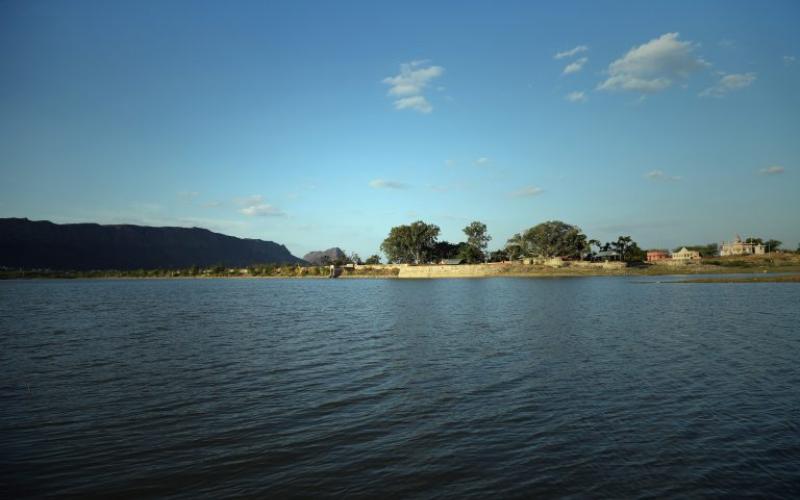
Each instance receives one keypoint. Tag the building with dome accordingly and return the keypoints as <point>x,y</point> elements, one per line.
<point>739,247</point>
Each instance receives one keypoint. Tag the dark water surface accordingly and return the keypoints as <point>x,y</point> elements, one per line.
<point>585,387</point>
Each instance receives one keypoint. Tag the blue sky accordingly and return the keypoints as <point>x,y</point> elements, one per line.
<point>319,124</point>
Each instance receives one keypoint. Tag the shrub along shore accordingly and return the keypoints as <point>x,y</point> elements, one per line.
<point>773,263</point>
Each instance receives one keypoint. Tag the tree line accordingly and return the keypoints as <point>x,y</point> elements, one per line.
<point>418,243</point>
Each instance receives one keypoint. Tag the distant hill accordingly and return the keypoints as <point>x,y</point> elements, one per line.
<point>43,245</point>
<point>318,257</point>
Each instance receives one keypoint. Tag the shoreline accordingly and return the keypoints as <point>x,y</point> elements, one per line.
<point>763,273</point>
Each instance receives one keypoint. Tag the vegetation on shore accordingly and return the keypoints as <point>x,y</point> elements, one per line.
<point>773,263</point>
<point>417,243</point>
<point>256,271</point>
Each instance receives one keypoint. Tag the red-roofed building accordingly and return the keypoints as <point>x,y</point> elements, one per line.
<point>655,255</point>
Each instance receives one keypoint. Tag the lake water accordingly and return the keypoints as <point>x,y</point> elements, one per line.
<point>599,387</point>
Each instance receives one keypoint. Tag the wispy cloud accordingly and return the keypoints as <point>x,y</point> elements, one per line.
<point>188,195</point>
<point>387,184</point>
<point>726,43</point>
<point>571,52</point>
<point>659,175</point>
<point>263,210</point>
<point>575,66</point>
<point>449,163</point>
<point>773,170</point>
<point>409,84</point>
<point>482,161</point>
<point>255,206</point>
<point>527,192</point>
<point>653,66</point>
<point>417,103</point>
<point>789,60</point>
<point>577,96</point>
<point>729,83</point>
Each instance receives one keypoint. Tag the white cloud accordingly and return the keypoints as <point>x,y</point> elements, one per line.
<point>483,161</point>
<point>789,60</point>
<point>726,43</point>
<point>250,200</point>
<point>449,163</point>
<point>255,206</point>
<point>409,84</point>
<point>729,83</point>
<point>653,66</point>
<point>773,170</point>
<point>575,66</point>
<point>659,175</point>
<point>527,192</point>
<point>188,195</point>
<point>571,52</point>
<point>412,81</point>
<point>263,210</point>
<point>417,103</point>
<point>386,184</point>
<point>577,96</point>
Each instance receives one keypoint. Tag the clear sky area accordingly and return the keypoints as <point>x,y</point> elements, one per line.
<point>320,124</point>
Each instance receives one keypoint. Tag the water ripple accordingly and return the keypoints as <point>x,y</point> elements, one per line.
<point>417,389</point>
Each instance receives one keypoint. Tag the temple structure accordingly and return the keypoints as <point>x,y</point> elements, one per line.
<point>739,247</point>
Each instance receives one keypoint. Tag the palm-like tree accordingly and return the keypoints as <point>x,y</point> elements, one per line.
<point>622,244</point>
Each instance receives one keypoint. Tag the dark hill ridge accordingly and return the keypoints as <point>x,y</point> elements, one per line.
<point>45,245</point>
<point>319,257</point>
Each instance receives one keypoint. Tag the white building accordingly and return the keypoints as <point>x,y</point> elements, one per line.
<point>686,255</point>
<point>739,247</point>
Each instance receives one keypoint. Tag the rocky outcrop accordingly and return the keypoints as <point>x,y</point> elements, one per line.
<point>322,257</point>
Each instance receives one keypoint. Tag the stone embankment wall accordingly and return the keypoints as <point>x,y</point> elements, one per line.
<point>440,271</point>
<point>493,269</point>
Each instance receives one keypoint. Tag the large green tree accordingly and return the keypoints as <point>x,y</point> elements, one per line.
<point>477,239</point>
<point>772,245</point>
<point>634,253</point>
<point>628,249</point>
<point>553,239</point>
<point>499,255</point>
<point>410,243</point>
<point>470,254</point>
<point>444,250</point>
<point>515,247</point>
<point>622,245</point>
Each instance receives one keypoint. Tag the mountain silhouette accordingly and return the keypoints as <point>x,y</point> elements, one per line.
<point>30,244</point>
